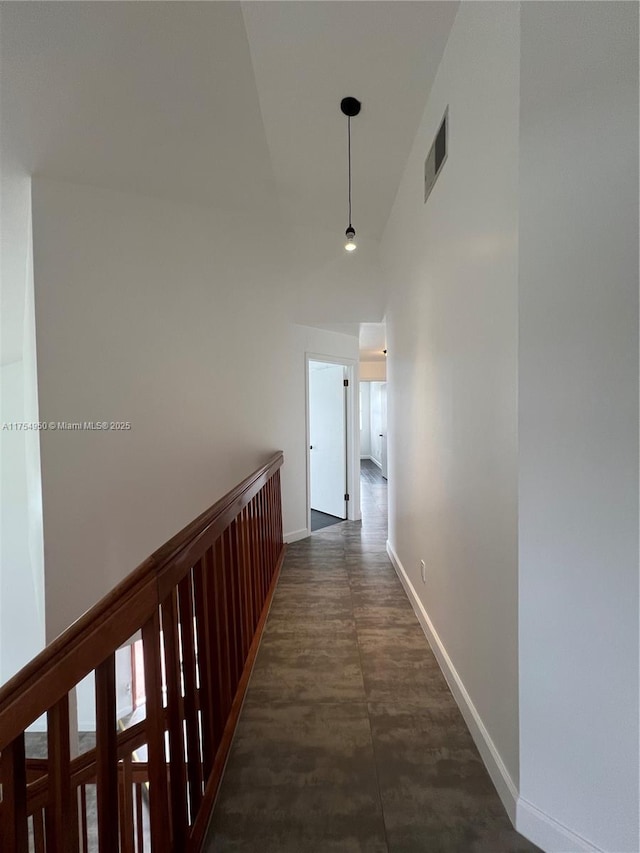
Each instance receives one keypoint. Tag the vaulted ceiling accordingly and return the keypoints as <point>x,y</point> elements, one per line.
<point>233,105</point>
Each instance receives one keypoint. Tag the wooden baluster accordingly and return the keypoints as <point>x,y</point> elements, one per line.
<point>249,605</point>
<point>256,551</point>
<point>62,816</point>
<point>270,548</point>
<point>15,834</point>
<point>260,552</point>
<point>237,572</point>
<point>177,768</point>
<point>83,819</point>
<point>107,755</point>
<point>251,566</point>
<point>255,543</point>
<point>194,765</point>
<point>267,499</point>
<point>269,493</point>
<point>214,570</point>
<point>245,563</point>
<point>158,801</point>
<point>274,537</point>
<point>233,604</point>
<point>139,820</point>
<point>252,618</point>
<point>276,546</point>
<point>239,568</point>
<point>238,562</point>
<point>278,511</point>
<point>201,582</point>
<point>222,662</point>
<point>263,536</point>
<point>274,519</point>
<point>126,806</point>
<point>38,832</point>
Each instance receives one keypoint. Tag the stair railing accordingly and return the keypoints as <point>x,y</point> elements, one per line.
<point>200,603</point>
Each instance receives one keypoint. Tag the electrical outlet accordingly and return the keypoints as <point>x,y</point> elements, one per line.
<point>423,571</point>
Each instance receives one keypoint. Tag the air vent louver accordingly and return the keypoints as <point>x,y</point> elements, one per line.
<point>436,156</point>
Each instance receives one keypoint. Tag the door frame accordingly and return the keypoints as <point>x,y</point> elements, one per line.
<point>352,436</point>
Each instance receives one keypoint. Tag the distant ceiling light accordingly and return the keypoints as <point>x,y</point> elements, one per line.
<point>350,107</point>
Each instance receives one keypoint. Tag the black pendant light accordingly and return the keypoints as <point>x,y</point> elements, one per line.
<point>350,107</point>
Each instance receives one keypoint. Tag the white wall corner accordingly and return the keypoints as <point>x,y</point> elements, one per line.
<point>500,776</point>
<point>295,535</point>
<point>547,833</point>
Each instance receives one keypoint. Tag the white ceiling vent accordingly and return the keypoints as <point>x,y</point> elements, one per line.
<point>437,155</point>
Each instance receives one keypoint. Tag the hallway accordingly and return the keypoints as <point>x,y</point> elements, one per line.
<point>349,739</point>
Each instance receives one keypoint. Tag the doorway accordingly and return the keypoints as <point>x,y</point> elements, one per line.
<point>373,424</point>
<point>330,442</point>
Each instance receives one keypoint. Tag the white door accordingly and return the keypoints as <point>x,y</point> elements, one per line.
<point>376,423</point>
<point>327,438</point>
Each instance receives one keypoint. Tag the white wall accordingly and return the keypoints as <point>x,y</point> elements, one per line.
<point>452,338</point>
<point>163,315</point>
<point>22,613</point>
<point>578,425</point>
<point>514,471</point>
<point>373,371</point>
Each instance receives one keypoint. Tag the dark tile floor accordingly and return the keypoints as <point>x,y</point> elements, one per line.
<point>322,519</point>
<point>349,739</point>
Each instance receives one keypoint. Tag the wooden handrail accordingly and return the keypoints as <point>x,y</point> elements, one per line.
<point>200,601</point>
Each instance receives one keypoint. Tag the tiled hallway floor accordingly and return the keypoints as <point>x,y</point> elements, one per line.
<point>349,739</point>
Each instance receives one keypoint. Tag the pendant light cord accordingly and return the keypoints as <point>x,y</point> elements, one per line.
<point>349,149</point>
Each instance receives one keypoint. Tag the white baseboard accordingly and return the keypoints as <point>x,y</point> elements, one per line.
<point>500,776</point>
<point>547,833</point>
<point>295,535</point>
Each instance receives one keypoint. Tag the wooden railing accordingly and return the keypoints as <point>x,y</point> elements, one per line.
<point>200,603</point>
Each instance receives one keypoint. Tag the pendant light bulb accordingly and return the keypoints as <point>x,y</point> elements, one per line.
<point>350,244</point>
<point>350,108</point>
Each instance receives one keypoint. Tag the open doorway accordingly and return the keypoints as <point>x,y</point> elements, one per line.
<point>373,424</point>
<point>373,456</point>
<point>330,442</point>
